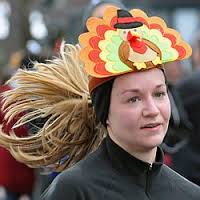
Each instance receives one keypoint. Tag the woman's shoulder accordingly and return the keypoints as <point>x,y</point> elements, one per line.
<point>180,183</point>
<point>72,182</point>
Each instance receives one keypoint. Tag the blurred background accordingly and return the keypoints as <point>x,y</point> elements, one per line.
<point>32,30</point>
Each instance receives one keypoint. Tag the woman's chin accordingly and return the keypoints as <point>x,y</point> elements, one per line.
<point>153,142</point>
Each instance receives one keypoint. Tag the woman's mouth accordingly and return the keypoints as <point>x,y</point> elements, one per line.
<point>151,126</point>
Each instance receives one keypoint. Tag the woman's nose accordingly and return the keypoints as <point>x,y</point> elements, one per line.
<point>150,108</point>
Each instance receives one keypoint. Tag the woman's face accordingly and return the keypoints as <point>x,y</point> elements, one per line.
<point>139,110</point>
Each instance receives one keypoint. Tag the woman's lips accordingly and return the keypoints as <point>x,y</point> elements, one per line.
<point>151,126</point>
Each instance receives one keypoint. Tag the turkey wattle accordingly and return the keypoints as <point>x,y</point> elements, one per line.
<point>137,52</point>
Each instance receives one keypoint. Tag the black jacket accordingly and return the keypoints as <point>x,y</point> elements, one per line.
<point>110,173</point>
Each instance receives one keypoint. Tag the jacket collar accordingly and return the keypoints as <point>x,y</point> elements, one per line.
<point>127,164</point>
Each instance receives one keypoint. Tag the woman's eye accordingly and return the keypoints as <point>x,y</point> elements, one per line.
<point>133,99</point>
<point>160,94</point>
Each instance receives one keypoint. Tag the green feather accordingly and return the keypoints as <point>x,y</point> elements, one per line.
<point>112,57</point>
<point>164,44</point>
<point>111,46</point>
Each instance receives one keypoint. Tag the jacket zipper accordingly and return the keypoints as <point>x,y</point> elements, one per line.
<point>148,180</point>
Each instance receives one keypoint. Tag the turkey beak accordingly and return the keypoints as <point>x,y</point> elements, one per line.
<point>132,35</point>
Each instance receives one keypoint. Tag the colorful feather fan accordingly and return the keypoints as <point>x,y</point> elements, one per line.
<point>112,47</point>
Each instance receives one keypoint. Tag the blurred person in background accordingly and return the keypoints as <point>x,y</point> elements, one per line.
<point>4,75</point>
<point>183,127</point>
<point>42,179</point>
<point>196,52</point>
<point>186,160</point>
<point>16,179</point>
<point>174,72</point>
<point>96,8</point>
<point>179,127</point>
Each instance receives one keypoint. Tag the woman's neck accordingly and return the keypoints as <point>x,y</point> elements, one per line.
<point>148,156</point>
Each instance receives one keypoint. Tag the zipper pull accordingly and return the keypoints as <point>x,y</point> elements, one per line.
<point>150,166</point>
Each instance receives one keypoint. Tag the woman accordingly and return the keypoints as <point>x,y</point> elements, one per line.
<point>126,109</point>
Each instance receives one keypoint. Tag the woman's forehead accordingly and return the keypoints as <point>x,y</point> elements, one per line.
<point>145,79</point>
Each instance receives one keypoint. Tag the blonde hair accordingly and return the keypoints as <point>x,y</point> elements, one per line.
<point>57,91</point>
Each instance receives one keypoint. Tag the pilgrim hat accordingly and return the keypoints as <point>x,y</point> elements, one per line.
<point>125,20</point>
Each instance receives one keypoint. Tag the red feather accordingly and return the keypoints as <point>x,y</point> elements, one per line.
<point>94,42</point>
<point>94,56</point>
<point>157,26</point>
<point>113,22</point>
<point>101,29</point>
<point>99,68</point>
<point>136,44</point>
<point>171,37</point>
<point>181,50</point>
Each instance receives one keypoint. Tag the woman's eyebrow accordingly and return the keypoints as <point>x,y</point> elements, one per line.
<point>130,90</point>
<point>161,85</point>
<point>136,90</point>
